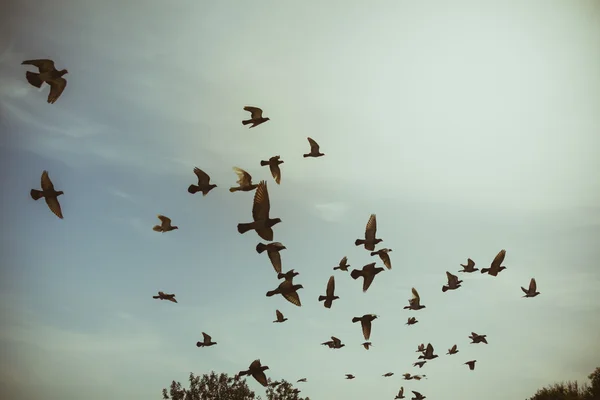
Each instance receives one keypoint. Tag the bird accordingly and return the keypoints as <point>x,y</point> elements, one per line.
<point>257,372</point>
<point>407,376</point>
<point>419,364</point>
<point>165,296</point>
<point>415,302</point>
<point>469,267</point>
<point>366,345</point>
<point>256,117</point>
<point>165,225</point>
<point>289,291</point>
<point>260,214</point>
<point>453,282</point>
<point>273,250</point>
<point>206,342</point>
<point>301,380</point>
<point>279,316</point>
<point>475,338</point>
<point>273,164</point>
<point>495,267</point>
<point>385,257</point>
<point>343,265</point>
<point>334,343</point>
<point>350,376</point>
<point>418,396</point>
<point>400,394</point>
<point>244,181</point>
<point>49,194</point>
<point>388,374</point>
<point>368,273</point>
<point>274,383</point>
<point>471,364</point>
<point>288,276</point>
<point>420,348</point>
<point>532,291</point>
<point>428,355</point>
<point>419,377</point>
<point>329,293</point>
<point>49,74</point>
<point>203,185</point>
<point>411,321</point>
<point>370,232</point>
<point>365,322</point>
<point>452,350</point>
<point>314,149</point>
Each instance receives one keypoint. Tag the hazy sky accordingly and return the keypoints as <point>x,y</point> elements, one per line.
<point>466,127</point>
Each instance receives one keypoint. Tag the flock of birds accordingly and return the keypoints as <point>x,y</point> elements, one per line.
<point>263,225</point>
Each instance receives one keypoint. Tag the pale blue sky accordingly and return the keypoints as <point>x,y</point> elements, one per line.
<point>467,127</point>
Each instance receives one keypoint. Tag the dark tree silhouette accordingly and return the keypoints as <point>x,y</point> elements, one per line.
<point>571,390</point>
<point>283,391</point>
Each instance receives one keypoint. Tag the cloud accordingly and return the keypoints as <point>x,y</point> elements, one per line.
<point>332,212</point>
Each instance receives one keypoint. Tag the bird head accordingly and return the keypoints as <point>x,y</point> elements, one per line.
<point>59,193</point>
<point>63,72</point>
<point>276,220</point>
<point>264,368</point>
<point>296,287</point>
<point>267,119</point>
<point>175,227</point>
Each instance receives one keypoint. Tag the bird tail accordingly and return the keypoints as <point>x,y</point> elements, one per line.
<point>355,274</point>
<point>199,344</point>
<point>234,189</point>
<point>355,319</point>
<point>193,189</point>
<point>306,155</point>
<point>36,194</point>
<point>243,373</point>
<point>243,228</point>
<point>358,242</point>
<point>156,297</point>
<point>373,253</point>
<point>280,275</point>
<point>261,247</point>
<point>34,79</point>
<point>157,228</point>
<point>271,293</point>
<point>444,288</point>
<point>321,298</point>
<point>263,163</point>
<point>246,122</point>
<point>334,268</point>
<point>484,270</point>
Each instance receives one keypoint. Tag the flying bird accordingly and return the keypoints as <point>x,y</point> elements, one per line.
<point>453,282</point>
<point>244,181</point>
<point>288,276</point>
<point>415,302</point>
<point>301,380</point>
<point>273,164</point>
<point>165,296</point>
<point>49,194</point>
<point>366,345</point>
<point>314,149</point>
<point>532,291</point>
<point>428,355</point>
<point>421,348</point>
<point>334,343</point>
<point>496,265</point>
<point>471,364</point>
<point>385,257</point>
<point>419,377</point>
<point>452,350</point>
<point>203,185</point>
<point>400,394</point>
<point>256,117</point>
<point>206,342</point>
<point>257,372</point>
<point>260,214</point>
<point>365,322</point>
<point>411,321</point>
<point>165,225</point>
<point>469,267</point>
<point>388,374</point>
<point>350,376</point>
<point>475,338</point>
<point>418,396</point>
<point>49,74</point>
<point>407,376</point>
<point>419,364</point>
<point>368,273</point>
<point>273,250</point>
<point>289,291</point>
<point>370,232</point>
<point>343,265</point>
<point>329,293</point>
<point>279,316</point>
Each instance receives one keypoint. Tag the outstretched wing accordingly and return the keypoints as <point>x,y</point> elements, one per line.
<point>276,172</point>
<point>206,337</point>
<point>532,285</point>
<point>275,258</point>
<point>261,206</point>
<point>278,314</point>
<point>164,220</point>
<point>497,263</point>
<point>244,178</point>
<point>314,146</point>
<point>330,286</point>
<point>54,206</point>
<point>57,86</point>
<point>371,228</point>
<point>44,65</point>
<point>255,112</point>
<point>366,328</point>
<point>203,178</point>
<point>46,182</point>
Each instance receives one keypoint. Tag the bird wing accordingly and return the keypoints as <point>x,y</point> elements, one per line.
<point>275,258</point>
<point>57,86</point>
<point>401,391</point>
<point>532,285</point>
<point>46,182</point>
<point>255,112</point>
<point>343,261</point>
<point>366,328</point>
<point>371,228</point>
<point>44,65</point>
<point>336,341</point>
<point>314,146</point>
<point>385,258</point>
<point>206,337</point>
<point>453,349</point>
<point>54,206</point>
<point>367,280</point>
<point>470,263</point>
<point>498,259</point>
<point>276,172</point>
<point>203,178</point>
<point>164,220</point>
<point>429,350</point>
<point>278,314</point>
<point>260,377</point>
<point>330,286</point>
<point>255,364</point>
<point>244,178</point>
<point>416,299</point>
<point>293,298</point>
<point>261,206</point>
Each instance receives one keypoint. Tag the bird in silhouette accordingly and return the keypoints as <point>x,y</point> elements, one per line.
<point>407,376</point>
<point>471,364</point>
<point>260,214</point>
<point>289,291</point>
<point>279,316</point>
<point>334,343</point>
<point>49,194</point>
<point>411,321</point>
<point>165,296</point>
<point>469,267</point>
<point>475,338</point>
<point>418,396</point>
<point>366,345</point>
<point>329,293</point>
<point>301,380</point>
<point>314,149</point>
<point>453,282</point>
<point>421,348</point>
<point>419,377</point>
<point>273,164</point>
<point>400,394</point>
<point>206,342</point>
<point>273,250</point>
<point>415,302</point>
<point>257,372</point>
<point>368,273</point>
<point>274,384</point>
<point>256,117</point>
<point>350,376</point>
<point>370,232</point>
<point>288,276</point>
<point>365,322</point>
<point>388,374</point>
<point>428,355</point>
<point>203,185</point>
<point>244,181</point>
<point>496,265</point>
<point>532,291</point>
<point>452,350</point>
<point>343,265</point>
<point>49,74</point>
<point>385,257</point>
<point>419,364</point>
<point>165,225</point>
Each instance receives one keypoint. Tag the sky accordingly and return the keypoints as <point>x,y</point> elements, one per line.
<point>467,128</point>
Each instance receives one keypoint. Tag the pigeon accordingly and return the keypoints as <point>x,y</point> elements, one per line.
<point>477,338</point>
<point>279,316</point>
<point>415,302</point>
<point>274,384</point>
<point>366,345</point>
<point>428,355</point>
<point>419,377</point>
<point>288,276</point>
<point>407,377</point>
<point>257,372</point>
<point>419,364</point>
<point>411,321</point>
<point>532,291</point>
<point>260,214</point>
<point>350,376</point>
<point>165,296</point>
<point>165,225</point>
<point>400,394</point>
<point>329,296</point>
<point>469,267</point>
<point>385,257</point>
<point>495,267</point>
<point>418,396</point>
<point>203,185</point>
<point>421,348</point>
<point>206,342</point>
<point>49,194</point>
<point>334,343</point>
<point>244,181</point>
<point>343,265</point>
<point>273,164</point>
<point>388,374</point>
<point>453,282</point>
<point>301,380</point>
<point>371,230</point>
<point>273,250</point>
<point>256,117</point>
<point>314,149</point>
<point>452,350</point>
<point>365,322</point>
<point>471,364</point>
<point>368,273</point>
<point>49,74</point>
<point>289,291</point>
